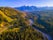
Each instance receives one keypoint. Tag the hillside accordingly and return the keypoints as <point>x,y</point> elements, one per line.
<point>15,25</point>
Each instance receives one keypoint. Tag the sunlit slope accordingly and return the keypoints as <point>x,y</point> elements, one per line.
<point>6,17</point>
<point>10,11</point>
<point>10,14</point>
<point>15,25</point>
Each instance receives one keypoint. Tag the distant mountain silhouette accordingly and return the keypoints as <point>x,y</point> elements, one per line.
<point>27,8</point>
<point>33,8</point>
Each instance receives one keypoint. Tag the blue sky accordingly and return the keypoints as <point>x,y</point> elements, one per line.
<point>17,3</point>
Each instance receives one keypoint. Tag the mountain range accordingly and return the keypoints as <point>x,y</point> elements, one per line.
<point>33,8</point>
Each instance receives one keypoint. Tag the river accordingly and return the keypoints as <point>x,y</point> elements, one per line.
<point>39,30</point>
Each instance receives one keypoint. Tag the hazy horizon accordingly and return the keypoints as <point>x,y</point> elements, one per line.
<point>18,3</point>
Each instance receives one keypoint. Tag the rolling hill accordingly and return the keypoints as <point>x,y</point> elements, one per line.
<point>15,25</point>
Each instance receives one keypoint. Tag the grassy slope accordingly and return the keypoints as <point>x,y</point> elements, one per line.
<point>16,29</point>
<point>7,18</point>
